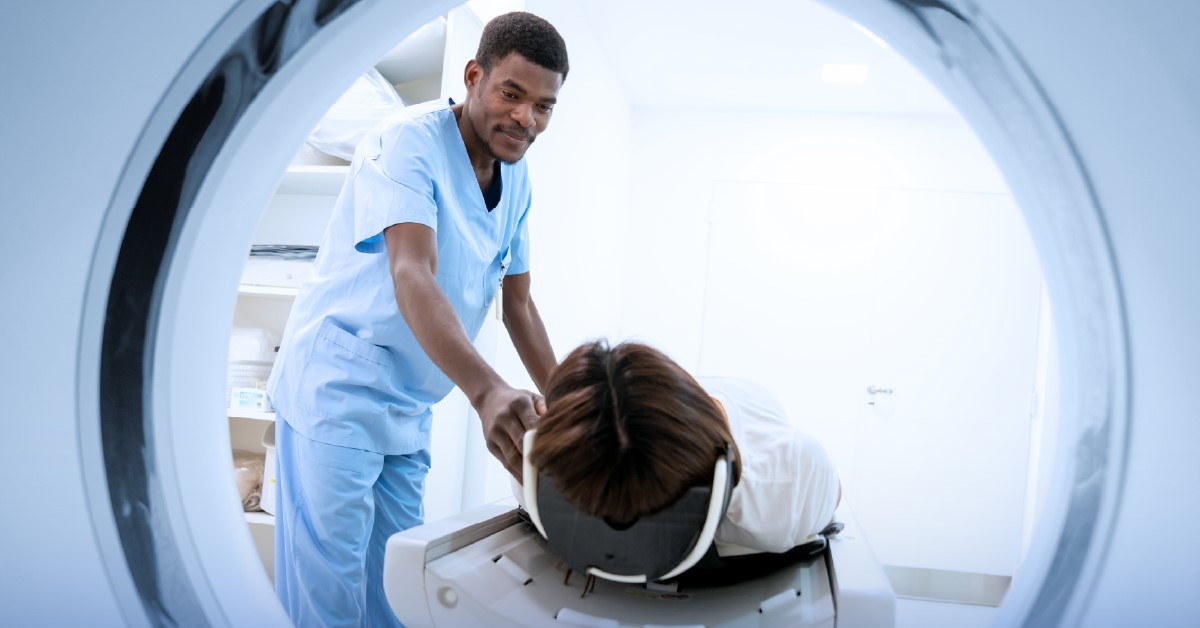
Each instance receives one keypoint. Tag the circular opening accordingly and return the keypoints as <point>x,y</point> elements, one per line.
<point>248,87</point>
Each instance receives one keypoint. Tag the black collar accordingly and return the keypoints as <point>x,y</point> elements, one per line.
<point>491,196</point>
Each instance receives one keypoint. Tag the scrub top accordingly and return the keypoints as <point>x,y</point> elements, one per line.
<point>350,372</point>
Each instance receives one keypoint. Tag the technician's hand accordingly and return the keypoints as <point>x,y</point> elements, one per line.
<point>507,413</point>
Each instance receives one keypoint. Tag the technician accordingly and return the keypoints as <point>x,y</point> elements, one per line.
<point>432,220</point>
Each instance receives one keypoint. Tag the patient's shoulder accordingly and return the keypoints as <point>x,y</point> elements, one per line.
<point>734,386</point>
<point>749,404</point>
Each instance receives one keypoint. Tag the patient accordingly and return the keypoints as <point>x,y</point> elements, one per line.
<point>627,431</point>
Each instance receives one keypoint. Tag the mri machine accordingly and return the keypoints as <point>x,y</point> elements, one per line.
<point>167,123</point>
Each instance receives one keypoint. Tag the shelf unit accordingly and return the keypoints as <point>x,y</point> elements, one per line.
<point>270,292</point>
<point>262,306</point>
<point>254,415</point>
<point>260,518</point>
<point>312,180</point>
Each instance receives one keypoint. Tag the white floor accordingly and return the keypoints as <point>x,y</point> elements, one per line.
<point>923,614</point>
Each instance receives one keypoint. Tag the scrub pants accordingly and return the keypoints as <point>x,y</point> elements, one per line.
<point>335,509</point>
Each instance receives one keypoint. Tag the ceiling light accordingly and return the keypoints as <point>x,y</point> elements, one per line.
<point>844,73</point>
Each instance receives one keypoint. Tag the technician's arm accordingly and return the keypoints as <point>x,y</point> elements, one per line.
<point>506,412</point>
<point>525,327</point>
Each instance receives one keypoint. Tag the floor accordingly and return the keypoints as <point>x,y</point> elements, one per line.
<point>923,614</point>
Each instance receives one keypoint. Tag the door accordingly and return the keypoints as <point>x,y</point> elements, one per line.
<point>787,300</point>
<point>930,297</point>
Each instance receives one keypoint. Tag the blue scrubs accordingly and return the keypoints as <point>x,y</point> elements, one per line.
<point>352,388</point>
<point>329,560</point>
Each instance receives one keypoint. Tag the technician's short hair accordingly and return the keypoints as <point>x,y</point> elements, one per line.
<point>627,431</point>
<point>525,34</point>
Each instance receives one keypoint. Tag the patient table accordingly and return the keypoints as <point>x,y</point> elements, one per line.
<point>489,567</point>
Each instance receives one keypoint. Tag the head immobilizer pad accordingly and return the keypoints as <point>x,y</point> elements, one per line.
<point>657,546</point>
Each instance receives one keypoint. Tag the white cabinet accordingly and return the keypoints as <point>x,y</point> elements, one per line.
<point>263,307</point>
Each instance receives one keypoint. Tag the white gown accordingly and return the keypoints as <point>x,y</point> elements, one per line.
<point>788,489</point>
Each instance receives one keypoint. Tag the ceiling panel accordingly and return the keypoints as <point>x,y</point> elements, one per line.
<point>753,54</point>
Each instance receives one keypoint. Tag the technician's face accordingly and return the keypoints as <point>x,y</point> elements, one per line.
<point>511,105</point>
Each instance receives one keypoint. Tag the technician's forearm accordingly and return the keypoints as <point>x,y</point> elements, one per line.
<point>437,328</point>
<point>529,336</point>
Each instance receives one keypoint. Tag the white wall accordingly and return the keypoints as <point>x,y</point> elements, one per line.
<point>682,158</point>
<point>579,171</point>
<point>678,155</point>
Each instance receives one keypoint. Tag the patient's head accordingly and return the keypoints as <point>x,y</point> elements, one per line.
<point>627,431</point>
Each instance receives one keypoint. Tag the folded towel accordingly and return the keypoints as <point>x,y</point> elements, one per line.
<point>248,470</point>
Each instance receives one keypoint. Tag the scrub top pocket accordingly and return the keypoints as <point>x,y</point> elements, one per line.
<point>345,376</point>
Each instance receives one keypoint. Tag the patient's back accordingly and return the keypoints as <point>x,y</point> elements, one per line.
<point>789,488</point>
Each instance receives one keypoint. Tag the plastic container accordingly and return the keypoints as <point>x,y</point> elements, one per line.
<point>252,344</point>
<point>269,481</point>
<point>245,374</point>
<point>250,399</point>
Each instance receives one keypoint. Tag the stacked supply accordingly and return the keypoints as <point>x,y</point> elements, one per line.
<point>370,100</point>
<point>278,265</point>
<point>251,354</point>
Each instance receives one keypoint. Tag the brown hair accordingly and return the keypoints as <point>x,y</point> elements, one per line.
<point>627,431</point>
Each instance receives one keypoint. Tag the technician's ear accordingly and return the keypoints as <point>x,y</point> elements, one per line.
<point>472,74</point>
